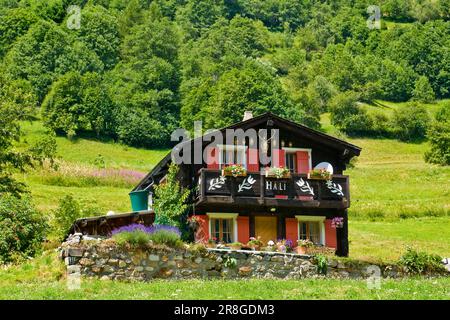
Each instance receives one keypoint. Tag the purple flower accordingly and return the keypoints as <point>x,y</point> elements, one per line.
<point>146,229</point>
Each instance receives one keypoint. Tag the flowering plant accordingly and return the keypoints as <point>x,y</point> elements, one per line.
<point>270,243</point>
<point>255,242</point>
<point>235,170</point>
<point>278,172</point>
<point>319,174</point>
<point>337,222</point>
<point>212,240</point>
<point>146,229</point>
<point>305,243</point>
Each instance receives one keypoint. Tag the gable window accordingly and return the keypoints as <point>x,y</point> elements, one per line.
<point>231,154</point>
<point>223,226</point>
<point>311,228</point>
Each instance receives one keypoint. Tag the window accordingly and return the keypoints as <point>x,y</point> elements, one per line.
<point>222,230</point>
<point>291,162</point>
<point>230,154</point>
<point>310,230</point>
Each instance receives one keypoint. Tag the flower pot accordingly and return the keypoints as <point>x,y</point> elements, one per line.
<point>235,247</point>
<point>301,250</point>
<point>211,245</point>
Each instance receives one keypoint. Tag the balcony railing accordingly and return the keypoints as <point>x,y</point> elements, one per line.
<point>257,189</point>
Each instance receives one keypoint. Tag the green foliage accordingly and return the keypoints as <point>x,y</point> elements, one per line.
<point>22,229</point>
<point>423,91</point>
<point>17,103</point>
<point>347,116</point>
<point>170,200</point>
<point>136,238</point>
<point>78,103</point>
<point>439,136</point>
<point>139,238</point>
<point>420,262</point>
<point>411,122</point>
<point>322,263</point>
<point>166,237</point>
<point>229,262</point>
<point>68,211</point>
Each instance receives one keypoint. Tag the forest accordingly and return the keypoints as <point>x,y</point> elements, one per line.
<point>135,70</point>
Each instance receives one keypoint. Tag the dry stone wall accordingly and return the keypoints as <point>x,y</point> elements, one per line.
<point>106,260</point>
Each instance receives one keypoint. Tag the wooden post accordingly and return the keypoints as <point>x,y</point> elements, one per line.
<point>342,235</point>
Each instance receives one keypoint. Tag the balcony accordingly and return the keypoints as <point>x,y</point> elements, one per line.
<point>257,190</point>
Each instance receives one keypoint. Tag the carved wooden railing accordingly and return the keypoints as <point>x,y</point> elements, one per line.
<point>257,185</point>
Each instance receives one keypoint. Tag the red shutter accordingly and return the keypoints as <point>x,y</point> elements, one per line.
<point>303,167</point>
<point>292,230</point>
<point>243,228</point>
<point>212,158</point>
<point>202,234</point>
<point>278,159</point>
<point>303,162</point>
<point>330,235</point>
<point>252,160</point>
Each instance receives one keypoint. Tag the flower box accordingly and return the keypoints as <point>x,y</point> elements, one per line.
<point>278,173</point>
<point>235,170</point>
<point>319,174</point>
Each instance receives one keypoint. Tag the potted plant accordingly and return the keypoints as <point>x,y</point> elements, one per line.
<point>278,172</point>
<point>235,245</point>
<point>234,170</point>
<point>255,243</point>
<point>319,174</point>
<point>212,242</point>
<point>303,245</point>
<point>337,222</point>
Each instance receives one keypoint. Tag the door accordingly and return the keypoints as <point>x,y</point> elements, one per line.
<point>266,228</point>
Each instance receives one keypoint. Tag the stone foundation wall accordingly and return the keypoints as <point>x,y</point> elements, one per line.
<point>105,260</point>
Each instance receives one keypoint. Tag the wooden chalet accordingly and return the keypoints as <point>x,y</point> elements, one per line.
<point>256,205</point>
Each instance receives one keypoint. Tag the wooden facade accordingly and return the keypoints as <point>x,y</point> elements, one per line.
<point>236,208</point>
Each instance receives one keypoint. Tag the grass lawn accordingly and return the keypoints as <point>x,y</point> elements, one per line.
<point>43,279</point>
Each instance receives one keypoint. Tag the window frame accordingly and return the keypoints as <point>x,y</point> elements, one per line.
<point>233,216</point>
<point>319,219</point>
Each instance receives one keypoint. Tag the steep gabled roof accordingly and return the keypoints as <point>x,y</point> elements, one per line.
<point>347,150</point>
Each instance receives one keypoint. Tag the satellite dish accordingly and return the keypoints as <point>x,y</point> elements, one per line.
<point>325,165</point>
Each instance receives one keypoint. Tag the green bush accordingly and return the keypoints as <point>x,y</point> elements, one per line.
<point>137,238</point>
<point>68,211</point>
<point>322,264</point>
<point>141,238</point>
<point>166,237</point>
<point>22,228</point>
<point>420,262</point>
<point>347,116</point>
<point>439,136</point>
<point>411,122</point>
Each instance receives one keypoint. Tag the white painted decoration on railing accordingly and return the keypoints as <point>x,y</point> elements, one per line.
<point>246,184</point>
<point>216,183</point>
<point>305,187</point>
<point>335,188</point>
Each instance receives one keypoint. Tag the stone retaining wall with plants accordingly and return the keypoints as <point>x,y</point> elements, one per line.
<point>105,259</point>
